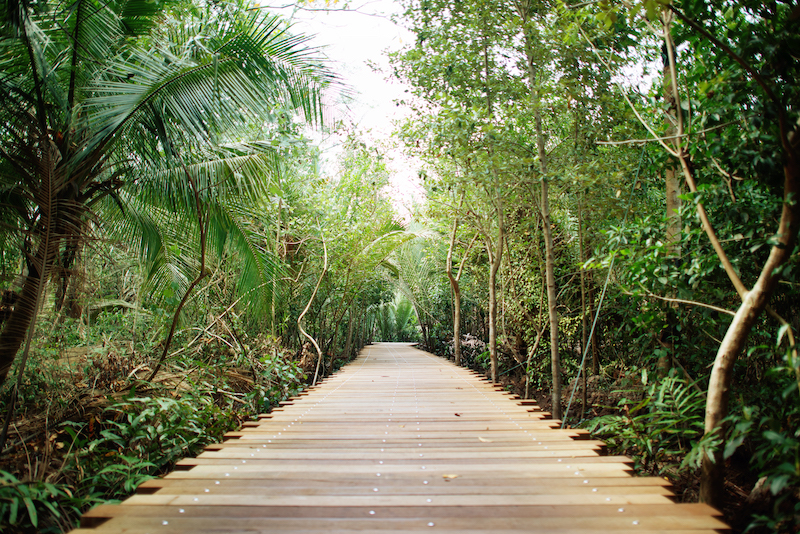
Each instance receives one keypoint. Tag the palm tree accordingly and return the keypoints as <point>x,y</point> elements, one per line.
<point>100,96</point>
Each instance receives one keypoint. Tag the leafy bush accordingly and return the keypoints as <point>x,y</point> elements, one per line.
<point>658,429</point>
<point>474,352</point>
<point>33,506</point>
<point>142,437</point>
<point>771,436</point>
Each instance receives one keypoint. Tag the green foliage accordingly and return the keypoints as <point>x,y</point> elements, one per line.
<point>770,435</point>
<point>49,377</point>
<point>657,429</point>
<point>32,506</point>
<point>142,437</point>
<point>279,378</point>
<point>144,121</point>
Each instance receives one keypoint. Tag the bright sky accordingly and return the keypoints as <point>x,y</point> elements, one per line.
<point>355,39</point>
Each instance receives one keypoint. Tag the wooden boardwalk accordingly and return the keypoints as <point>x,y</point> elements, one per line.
<point>402,441</point>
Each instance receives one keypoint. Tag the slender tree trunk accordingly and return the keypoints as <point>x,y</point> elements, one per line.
<point>672,173</point>
<point>273,326</point>
<point>65,289</point>
<point>545,208</point>
<point>493,321</point>
<point>457,325</point>
<point>348,343</point>
<point>456,295</point>
<point>593,341</point>
<point>495,258</point>
<point>673,190</point>
<point>308,306</point>
<point>549,263</point>
<point>584,322</point>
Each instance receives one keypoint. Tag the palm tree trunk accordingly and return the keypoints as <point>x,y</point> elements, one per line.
<point>20,319</point>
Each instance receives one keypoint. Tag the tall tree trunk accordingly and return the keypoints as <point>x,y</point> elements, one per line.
<point>348,343</point>
<point>493,321</point>
<point>672,172</point>
<point>549,263</point>
<point>673,190</point>
<point>593,341</point>
<point>457,325</point>
<point>584,322</point>
<point>581,259</point>
<point>525,9</point>
<point>495,259</point>
<point>273,306</point>
<point>456,295</point>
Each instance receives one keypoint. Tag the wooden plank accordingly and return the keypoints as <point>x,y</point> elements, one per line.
<point>402,441</point>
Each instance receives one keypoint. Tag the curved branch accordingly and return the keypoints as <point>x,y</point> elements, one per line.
<point>644,123</point>
<point>202,222</point>
<point>308,306</point>
<point>729,51</point>
<point>683,301</point>
<point>680,153</point>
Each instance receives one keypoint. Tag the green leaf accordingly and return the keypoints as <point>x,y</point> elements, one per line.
<point>31,511</point>
<point>731,446</point>
<point>14,512</point>
<point>778,483</point>
<point>773,436</point>
<point>781,332</point>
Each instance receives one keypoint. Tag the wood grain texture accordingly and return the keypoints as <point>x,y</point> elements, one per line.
<point>402,441</point>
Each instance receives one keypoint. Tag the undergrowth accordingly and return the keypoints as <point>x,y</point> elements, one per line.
<point>90,430</point>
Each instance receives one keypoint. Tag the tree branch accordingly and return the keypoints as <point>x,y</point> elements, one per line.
<point>682,301</point>
<point>644,123</point>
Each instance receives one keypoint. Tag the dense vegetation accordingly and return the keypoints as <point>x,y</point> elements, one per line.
<point>610,227</point>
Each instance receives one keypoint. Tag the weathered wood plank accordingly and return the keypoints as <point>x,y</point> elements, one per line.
<point>402,441</point>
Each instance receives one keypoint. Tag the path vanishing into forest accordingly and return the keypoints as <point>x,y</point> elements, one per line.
<point>400,440</point>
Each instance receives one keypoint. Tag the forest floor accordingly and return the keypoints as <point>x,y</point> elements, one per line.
<point>89,426</point>
<point>603,397</point>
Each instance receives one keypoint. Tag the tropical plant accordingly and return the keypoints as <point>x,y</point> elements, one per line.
<point>97,97</point>
<point>32,506</point>
<point>143,437</point>
<point>658,427</point>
